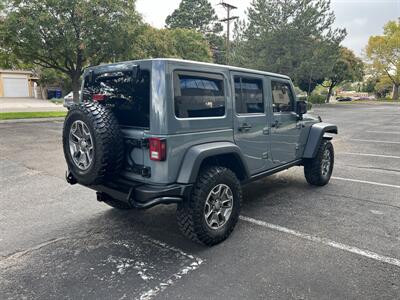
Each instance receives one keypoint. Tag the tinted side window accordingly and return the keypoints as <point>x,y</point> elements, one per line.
<point>199,95</point>
<point>249,97</point>
<point>282,96</point>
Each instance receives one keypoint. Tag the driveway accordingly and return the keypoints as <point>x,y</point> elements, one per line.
<point>293,241</point>
<point>28,105</point>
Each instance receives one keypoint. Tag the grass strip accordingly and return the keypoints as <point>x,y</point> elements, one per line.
<point>32,115</point>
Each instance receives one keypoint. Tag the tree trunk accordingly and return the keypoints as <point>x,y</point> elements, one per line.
<point>395,95</point>
<point>75,86</point>
<point>329,93</point>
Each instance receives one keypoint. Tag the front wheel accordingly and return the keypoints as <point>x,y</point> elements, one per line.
<point>212,211</point>
<point>318,170</point>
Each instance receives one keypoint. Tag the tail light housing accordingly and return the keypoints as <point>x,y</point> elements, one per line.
<point>157,149</point>
<point>98,97</point>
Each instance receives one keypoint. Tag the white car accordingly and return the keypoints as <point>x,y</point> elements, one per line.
<point>69,99</point>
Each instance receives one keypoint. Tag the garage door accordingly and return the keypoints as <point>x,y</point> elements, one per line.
<point>15,87</point>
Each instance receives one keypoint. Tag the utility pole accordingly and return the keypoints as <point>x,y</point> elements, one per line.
<point>228,20</point>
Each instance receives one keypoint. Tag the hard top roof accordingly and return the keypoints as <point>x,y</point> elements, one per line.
<point>230,68</point>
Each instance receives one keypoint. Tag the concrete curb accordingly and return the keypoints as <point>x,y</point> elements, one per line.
<point>32,120</point>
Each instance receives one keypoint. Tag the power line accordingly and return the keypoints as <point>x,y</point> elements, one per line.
<point>228,20</point>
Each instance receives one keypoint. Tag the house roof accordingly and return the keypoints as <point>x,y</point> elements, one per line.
<point>16,72</point>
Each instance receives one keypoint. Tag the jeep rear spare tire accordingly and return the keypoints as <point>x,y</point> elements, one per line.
<point>93,143</point>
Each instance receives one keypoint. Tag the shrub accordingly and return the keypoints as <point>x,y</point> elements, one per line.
<point>316,99</point>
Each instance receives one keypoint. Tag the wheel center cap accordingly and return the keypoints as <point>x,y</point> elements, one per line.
<point>83,144</point>
<point>217,205</point>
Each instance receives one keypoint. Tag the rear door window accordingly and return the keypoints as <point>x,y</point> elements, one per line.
<point>249,96</point>
<point>198,95</point>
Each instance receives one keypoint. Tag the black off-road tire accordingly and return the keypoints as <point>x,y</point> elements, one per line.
<point>107,142</point>
<point>313,167</point>
<point>190,213</point>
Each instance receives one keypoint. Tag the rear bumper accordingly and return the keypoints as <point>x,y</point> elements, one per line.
<point>140,195</point>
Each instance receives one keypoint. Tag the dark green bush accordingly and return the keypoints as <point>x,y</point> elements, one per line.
<point>316,99</point>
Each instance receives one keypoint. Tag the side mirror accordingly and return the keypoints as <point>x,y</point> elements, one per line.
<point>301,108</point>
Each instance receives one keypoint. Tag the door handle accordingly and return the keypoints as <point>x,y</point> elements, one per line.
<point>244,127</point>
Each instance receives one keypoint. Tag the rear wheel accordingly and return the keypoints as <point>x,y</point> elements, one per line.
<point>318,170</point>
<point>211,213</point>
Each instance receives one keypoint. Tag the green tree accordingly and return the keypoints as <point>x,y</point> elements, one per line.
<point>383,87</point>
<point>195,14</point>
<point>67,36</point>
<point>199,15</point>
<point>190,45</point>
<point>290,37</point>
<point>383,51</point>
<point>347,67</point>
<point>174,43</point>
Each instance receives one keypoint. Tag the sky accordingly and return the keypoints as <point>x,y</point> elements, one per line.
<point>361,18</point>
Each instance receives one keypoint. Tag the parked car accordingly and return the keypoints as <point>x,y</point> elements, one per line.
<point>69,99</point>
<point>343,99</point>
<point>165,131</point>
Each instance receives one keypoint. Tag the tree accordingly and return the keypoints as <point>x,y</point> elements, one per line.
<point>290,37</point>
<point>199,15</point>
<point>347,67</point>
<point>178,43</point>
<point>190,45</point>
<point>383,51</point>
<point>67,36</point>
<point>195,14</point>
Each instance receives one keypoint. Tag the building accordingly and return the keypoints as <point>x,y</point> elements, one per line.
<point>15,83</point>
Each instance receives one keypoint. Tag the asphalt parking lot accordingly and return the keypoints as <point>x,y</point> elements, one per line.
<point>293,241</point>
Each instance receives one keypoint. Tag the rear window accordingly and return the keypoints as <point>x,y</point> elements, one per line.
<point>129,100</point>
<point>199,95</point>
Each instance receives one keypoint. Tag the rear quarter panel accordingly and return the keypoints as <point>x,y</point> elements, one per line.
<point>181,134</point>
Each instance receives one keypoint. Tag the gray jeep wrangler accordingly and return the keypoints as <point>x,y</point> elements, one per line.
<point>165,131</point>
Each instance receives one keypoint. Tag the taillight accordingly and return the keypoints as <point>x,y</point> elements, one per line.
<point>98,97</point>
<point>157,149</point>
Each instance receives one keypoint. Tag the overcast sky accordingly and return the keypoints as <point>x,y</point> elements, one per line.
<point>361,18</point>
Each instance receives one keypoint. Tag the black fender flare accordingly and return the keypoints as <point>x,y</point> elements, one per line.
<point>315,137</point>
<point>195,156</point>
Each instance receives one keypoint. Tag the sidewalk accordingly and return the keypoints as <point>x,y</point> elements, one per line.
<point>28,105</point>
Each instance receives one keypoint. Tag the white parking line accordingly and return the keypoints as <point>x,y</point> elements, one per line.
<point>368,154</point>
<point>325,241</point>
<point>196,262</point>
<point>373,141</point>
<point>386,132</point>
<point>367,182</point>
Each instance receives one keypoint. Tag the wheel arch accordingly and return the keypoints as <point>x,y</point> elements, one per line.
<point>219,153</point>
<point>317,133</point>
